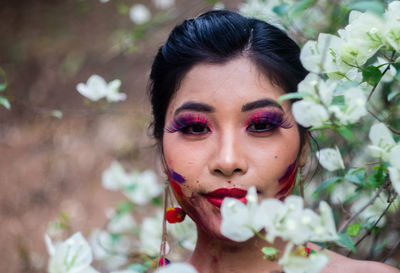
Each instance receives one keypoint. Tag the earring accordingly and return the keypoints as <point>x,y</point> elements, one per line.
<point>175,215</point>
<point>159,262</point>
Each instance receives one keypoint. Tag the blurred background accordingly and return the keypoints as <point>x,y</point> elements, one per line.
<point>54,143</point>
<point>50,164</point>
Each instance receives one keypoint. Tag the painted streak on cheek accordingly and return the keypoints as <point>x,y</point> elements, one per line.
<point>175,179</point>
<point>287,181</point>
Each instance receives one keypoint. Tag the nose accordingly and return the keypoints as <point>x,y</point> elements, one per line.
<point>229,157</point>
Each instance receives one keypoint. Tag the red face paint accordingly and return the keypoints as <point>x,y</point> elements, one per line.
<point>287,181</point>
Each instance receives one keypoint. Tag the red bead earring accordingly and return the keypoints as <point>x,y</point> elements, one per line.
<point>175,215</point>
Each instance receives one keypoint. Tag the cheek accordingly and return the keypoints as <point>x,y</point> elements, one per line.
<point>287,181</point>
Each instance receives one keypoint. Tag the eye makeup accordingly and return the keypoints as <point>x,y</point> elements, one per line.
<point>190,124</point>
<point>265,121</point>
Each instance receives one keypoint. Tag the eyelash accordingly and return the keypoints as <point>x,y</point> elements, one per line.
<point>269,121</point>
<point>188,123</point>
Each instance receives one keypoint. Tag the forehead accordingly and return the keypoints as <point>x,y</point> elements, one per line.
<point>233,83</point>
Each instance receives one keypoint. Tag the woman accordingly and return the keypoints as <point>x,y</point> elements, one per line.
<point>214,90</point>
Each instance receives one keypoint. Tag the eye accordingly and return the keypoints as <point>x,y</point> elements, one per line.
<point>195,129</point>
<point>265,122</point>
<point>189,124</point>
<point>261,127</point>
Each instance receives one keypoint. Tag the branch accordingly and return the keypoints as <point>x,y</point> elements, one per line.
<point>376,223</point>
<point>348,222</point>
<point>383,73</point>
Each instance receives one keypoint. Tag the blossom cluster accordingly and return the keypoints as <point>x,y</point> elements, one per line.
<point>123,235</point>
<point>288,220</point>
<point>342,59</point>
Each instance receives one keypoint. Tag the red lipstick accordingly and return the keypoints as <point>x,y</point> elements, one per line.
<point>217,197</point>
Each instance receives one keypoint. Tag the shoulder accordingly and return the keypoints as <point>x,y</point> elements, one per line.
<point>339,263</point>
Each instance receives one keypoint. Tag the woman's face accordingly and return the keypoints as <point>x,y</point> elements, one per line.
<point>225,132</point>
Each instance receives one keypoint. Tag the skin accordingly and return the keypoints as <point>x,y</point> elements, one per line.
<point>230,156</point>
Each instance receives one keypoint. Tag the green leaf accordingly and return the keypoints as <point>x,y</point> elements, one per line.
<point>4,101</point>
<point>299,6</point>
<point>212,1</point>
<point>123,9</point>
<point>326,184</point>
<point>346,133</point>
<point>270,253</point>
<point>345,241</point>
<point>372,75</point>
<point>374,6</point>
<point>353,230</point>
<point>157,201</point>
<point>281,9</point>
<point>124,207</point>
<point>338,100</point>
<point>290,96</point>
<point>3,86</point>
<point>356,176</point>
<point>376,178</point>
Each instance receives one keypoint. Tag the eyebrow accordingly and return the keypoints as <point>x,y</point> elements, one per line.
<point>259,104</point>
<point>195,106</point>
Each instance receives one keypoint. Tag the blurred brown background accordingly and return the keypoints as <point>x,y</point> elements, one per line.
<point>48,165</point>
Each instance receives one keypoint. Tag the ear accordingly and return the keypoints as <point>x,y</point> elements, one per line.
<point>305,149</point>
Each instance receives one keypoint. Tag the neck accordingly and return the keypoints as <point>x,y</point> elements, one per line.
<point>213,255</point>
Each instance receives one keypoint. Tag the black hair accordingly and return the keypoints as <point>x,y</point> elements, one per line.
<point>218,37</point>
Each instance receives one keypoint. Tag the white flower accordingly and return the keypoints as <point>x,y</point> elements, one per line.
<point>72,256</point>
<point>163,4</point>
<point>139,14</point>
<point>261,10</point>
<point>394,169</point>
<point>392,31</point>
<point>308,113</point>
<point>326,230</point>
<point>177,268</point>
<point>363,36</point>
<point>312,264</point>
<point>322,56</point>
<point>140,188</point>
<point>143,188</point>
<point>115,177</point>
<point>218,6</point>
<point>97,88</point>
<point>185,233</point>
<point>342,192</point>
<point>239,221</point>
<point>372,213</point>
<point>382,141</point>
<point>109,250</point>
<point>314,88</point>
<point>354,108</point>
<point>330,159</point>
<point>121,222</point>
<point>150,234</point>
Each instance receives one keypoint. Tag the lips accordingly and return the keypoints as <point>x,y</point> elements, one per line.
<point>217,197</point>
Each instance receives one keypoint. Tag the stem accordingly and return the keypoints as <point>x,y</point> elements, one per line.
<point>383,73</point>
<point>348,222</point>
<point>375,224</point>
<point>164,225</point>
<point>397,132</point>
